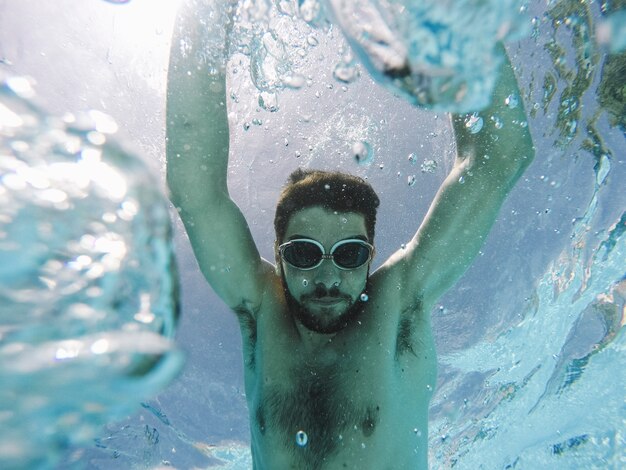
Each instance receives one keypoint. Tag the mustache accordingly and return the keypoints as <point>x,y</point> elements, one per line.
<point>321,291</point>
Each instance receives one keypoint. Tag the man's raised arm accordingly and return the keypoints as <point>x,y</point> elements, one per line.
<point>488,164</point>
<point>197,154</point>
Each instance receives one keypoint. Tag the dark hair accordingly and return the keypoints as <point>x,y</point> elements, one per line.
<point>332,190</point>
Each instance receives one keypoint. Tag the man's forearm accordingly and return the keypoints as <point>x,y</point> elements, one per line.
<point>197,123</point>
<point>504,144</point>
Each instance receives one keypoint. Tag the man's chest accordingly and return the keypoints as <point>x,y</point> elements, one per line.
<point>317,411</point>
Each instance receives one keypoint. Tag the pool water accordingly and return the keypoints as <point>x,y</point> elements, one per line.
<point>530,341</point>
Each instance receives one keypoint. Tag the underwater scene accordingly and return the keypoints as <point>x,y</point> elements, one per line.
<point>114,350</point>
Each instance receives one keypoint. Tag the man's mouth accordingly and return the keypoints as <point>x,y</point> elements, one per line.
<point>327,300</point>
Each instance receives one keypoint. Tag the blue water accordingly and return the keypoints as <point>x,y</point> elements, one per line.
<point>531,340</point>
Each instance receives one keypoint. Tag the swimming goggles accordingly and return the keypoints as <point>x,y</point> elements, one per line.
<point>305,253</point>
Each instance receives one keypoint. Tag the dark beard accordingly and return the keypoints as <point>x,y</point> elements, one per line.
<point>313,321</point>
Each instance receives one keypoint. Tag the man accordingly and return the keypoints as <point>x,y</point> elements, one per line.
<point>340,363</point>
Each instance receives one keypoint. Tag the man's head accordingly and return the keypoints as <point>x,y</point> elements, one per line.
<point>331,214</point>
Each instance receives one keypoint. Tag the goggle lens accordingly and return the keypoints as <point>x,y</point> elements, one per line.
<point>302,254</point>
<point>308,254</point>
<point>351,255</point>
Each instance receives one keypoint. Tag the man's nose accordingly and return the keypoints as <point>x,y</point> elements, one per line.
<point>327,274</point>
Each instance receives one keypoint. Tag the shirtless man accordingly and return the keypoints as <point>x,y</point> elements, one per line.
<point>340,363</point>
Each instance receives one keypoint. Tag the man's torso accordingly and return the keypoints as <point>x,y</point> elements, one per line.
<point>360,400</point>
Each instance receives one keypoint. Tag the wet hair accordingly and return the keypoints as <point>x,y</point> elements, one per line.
<point>331,190</point>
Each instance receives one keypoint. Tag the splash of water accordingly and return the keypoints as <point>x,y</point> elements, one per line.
<point>432,52</point>
<point>87,281</point>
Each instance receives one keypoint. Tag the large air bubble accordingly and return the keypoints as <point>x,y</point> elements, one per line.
<point>87,281</point>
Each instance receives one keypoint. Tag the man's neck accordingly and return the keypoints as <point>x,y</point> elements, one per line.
<point>312,341</point>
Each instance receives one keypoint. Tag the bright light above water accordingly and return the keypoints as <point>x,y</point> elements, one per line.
<point>138,21</point>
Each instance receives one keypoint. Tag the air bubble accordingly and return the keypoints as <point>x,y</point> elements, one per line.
<point>474,123</point>
<point>362,152</point>
<point>497,122</point>
<point>346,73</point>
<point>511,101</point>
<point>305,282</point>
<point>294,81</point>
<point>411,180</point>
<point>428,166</point>
<point>268,101</point>
<point>301,438</point>
<point>412,158</point>
<point>364,297</point>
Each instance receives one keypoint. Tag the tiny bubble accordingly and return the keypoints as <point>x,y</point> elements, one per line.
<point>511,101</point>
<point>301,438</point>
<point>364,297</point>
<point>411,180</point>
<point>305,282</point>
<point>497,122</point>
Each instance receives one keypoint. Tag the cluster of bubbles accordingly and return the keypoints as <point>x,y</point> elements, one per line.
<point>429,52</point>
<point>87,280</point>
<point>432,52</point>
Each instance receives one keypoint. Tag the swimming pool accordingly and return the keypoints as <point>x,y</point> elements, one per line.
<point>531,340</point>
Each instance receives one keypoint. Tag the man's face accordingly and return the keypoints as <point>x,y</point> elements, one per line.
<point>326,297</point>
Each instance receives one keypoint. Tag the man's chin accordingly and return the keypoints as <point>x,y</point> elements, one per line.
<point>325,317</point>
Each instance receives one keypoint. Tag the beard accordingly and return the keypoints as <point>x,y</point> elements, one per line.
<point>318,322</point>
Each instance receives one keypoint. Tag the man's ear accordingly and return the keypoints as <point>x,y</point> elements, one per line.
<point>369,263</point>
